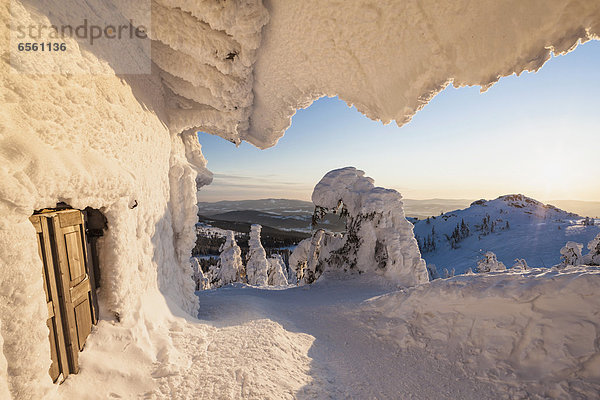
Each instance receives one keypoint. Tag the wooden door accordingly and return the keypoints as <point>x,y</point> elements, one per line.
<point>73,268</point>
<point>53,299</point>
<point>71,313</point>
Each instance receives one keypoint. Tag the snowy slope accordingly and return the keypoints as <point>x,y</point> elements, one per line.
<point>512,226</point>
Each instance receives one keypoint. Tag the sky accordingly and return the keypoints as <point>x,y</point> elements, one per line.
<point>536,134</point>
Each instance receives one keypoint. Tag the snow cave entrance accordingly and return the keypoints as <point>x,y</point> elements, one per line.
<point>67,245</point>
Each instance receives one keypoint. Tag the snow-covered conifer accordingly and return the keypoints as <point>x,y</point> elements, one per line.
<point>299,261</point>
<point>571,254</point>
<point>433,272</point>
<point>257,266</point>
<point>230,267</point>
<point>378,237</point>
<point>593,257</point>
<point>202,282</point>
<point>520,264</point>
<point>448,274</point>
<point>489,263</point>
<point>276,268</point>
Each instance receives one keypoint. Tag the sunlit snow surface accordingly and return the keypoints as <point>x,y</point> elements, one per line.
<point>498,335</point>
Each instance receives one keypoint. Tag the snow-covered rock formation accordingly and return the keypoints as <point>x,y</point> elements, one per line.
<point>276,268</point>
<point>229,268</point>
<point>257,266</point>
<point>378,237</point>
<point>80,132</point>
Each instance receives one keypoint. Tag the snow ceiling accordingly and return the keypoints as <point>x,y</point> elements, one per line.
<point>388,58</point>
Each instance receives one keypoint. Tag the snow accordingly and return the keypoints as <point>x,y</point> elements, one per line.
<point>593,256</point>
<point>364,53</point>
<point>491,335</point>
<point>208,230</point>
<point>489,263</point>
<point>202,282</point>
<point>237,69</point>
<point>571,254</point>
<point>276,268</point>
<point>533,334</point>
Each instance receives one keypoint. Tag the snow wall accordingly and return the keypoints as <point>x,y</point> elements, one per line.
<point>88,136</point>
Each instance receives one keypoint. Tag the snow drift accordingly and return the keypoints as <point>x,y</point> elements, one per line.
<point>535,332</point>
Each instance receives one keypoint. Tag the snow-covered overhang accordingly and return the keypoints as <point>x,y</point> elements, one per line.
<point>240,69</point>
<point>389,58</point>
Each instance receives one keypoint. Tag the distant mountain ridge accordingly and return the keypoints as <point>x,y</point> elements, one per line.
<point>412,208</point>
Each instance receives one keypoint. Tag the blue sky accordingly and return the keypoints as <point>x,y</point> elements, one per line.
<point>537,134</point>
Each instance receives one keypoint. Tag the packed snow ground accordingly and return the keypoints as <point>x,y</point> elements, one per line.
<point>500,335</point>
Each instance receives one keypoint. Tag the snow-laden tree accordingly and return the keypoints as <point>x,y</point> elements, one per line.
<point>201,281</point>
<point>520,264</point>
<point>378,237</point>
<point>489,263</point>
<point>448,274</point>
<point>299,261</point>
<point>433,272</point>
<point>571,254</point>
<point>593,257</point>
<point>311,255</point>
<point>257,266</point>
<point>276,268</point>
<point>291,276</point>
<point>229,268</point>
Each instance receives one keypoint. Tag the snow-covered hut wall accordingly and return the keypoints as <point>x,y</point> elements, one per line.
<point>118,143</point>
